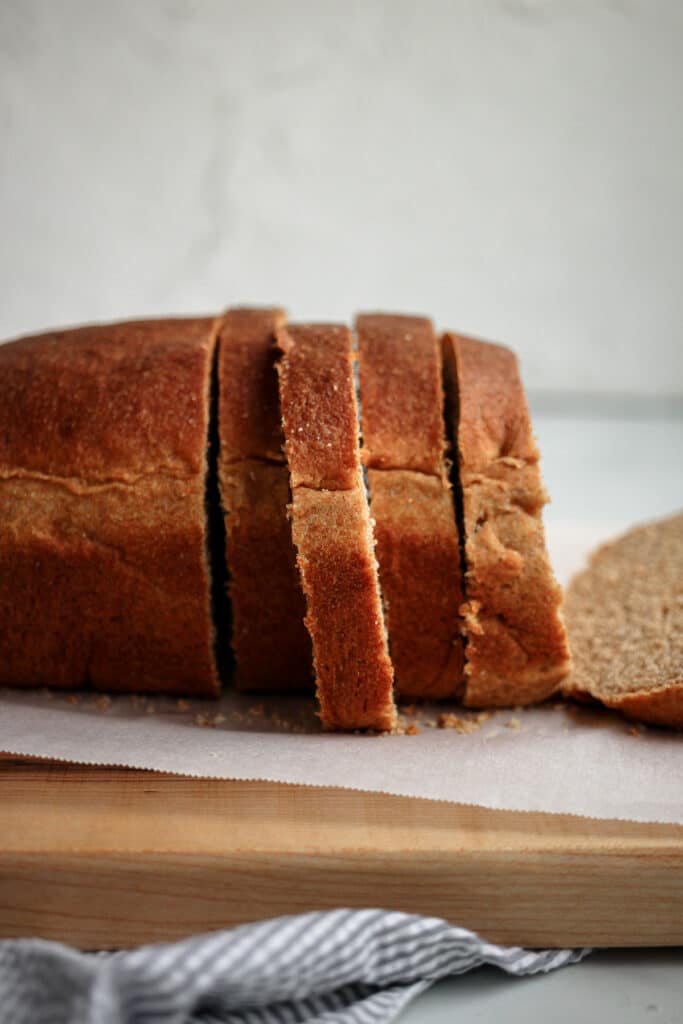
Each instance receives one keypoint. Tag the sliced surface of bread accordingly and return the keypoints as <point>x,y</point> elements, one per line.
<point>332,529</point>
<point>271,645</point>
<point>517,649</point>
<point>625,620</point>
<point>411,501</point>
<point>104,575</point>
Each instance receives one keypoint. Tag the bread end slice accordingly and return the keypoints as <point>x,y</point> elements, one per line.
<point>625,619</point>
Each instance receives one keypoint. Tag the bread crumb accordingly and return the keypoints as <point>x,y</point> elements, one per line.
<point>483,716</point>
<point>403,728</point>
<point>257,710</point>
<point>513,723</point>
<point>103,702</point>
<point>202,719</point>
<point>447,720</point>
<point>47,694</point>
<point>74,698</point>
<point>150,709</point>
<point>219,718</point>
<point>637,730</point>
<point>183,705</point>
<point>410,709</point>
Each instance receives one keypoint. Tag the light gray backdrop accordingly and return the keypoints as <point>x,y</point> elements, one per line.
<point>511,167</point>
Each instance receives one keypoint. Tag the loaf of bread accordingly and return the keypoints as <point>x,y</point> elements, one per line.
<point>625,620</point>
<point>104,567</point>
<point>331,528</point>
<point>517,650</point>
<point>411,501</point>
<point>157,477</point>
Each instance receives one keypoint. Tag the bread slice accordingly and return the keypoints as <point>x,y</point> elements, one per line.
<point>411,501</point>
<point>104,575</point>
<point>271,644</point>
<point>625,620</point>
<point>331,528</point>
<point>516,650</point>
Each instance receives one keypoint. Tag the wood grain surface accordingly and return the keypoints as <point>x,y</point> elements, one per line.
<point>107,858</point>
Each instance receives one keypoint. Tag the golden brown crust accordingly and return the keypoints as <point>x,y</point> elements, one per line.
<point>338,569</point>
<point>318,406</point>
<point>103,569</point>
<point>660,707</point>
<point>402,396</point>
<point>249,411</point>
<point>331,528</point>
<point>516,641</point>
<point>271,644</point>
<point>92,403</point>
<point>419,572</point>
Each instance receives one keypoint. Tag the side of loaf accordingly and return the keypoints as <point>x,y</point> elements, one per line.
<point>332,530</point>
<point>625,620</point>
<point>271,645</point>
<point>517,650</point>
<point>411,502</point>
<point>104,574</point>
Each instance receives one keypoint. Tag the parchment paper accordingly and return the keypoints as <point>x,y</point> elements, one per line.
<point>557,758</point>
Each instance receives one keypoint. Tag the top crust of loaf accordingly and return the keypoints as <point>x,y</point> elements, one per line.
<point>400,381</point>
<point>625,619</point>
<point>249,411</point>
<point>318,406</point>
<point>129,373</point>
<point>516,642</point>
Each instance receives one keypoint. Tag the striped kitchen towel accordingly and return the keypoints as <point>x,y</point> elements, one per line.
<point>334,967</point>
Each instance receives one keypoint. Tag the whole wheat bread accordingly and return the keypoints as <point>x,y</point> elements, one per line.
<point>517,650</point>
<point>411,501</point>
<point>104,577</point>
<point>625,620</point>
<point>331,528</point>
<point>271,644</point>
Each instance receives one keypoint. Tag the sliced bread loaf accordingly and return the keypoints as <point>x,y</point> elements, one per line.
<point>271,644</point>
<point>516,650</point>
<point>331,528</point>
<point>104,575</point>
<point>625,621</point>
<point>411,501</point>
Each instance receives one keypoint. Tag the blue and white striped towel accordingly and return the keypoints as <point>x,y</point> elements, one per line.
<point>336,967</point>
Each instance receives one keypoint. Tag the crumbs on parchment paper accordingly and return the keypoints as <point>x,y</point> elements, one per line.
<point>637,729</point>
<point>403,727</point>
<point>412,720</point>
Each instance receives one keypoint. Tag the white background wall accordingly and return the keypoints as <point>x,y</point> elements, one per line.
<point>513,168</point>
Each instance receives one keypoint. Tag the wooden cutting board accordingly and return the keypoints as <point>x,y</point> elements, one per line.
<point>105,858</point>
